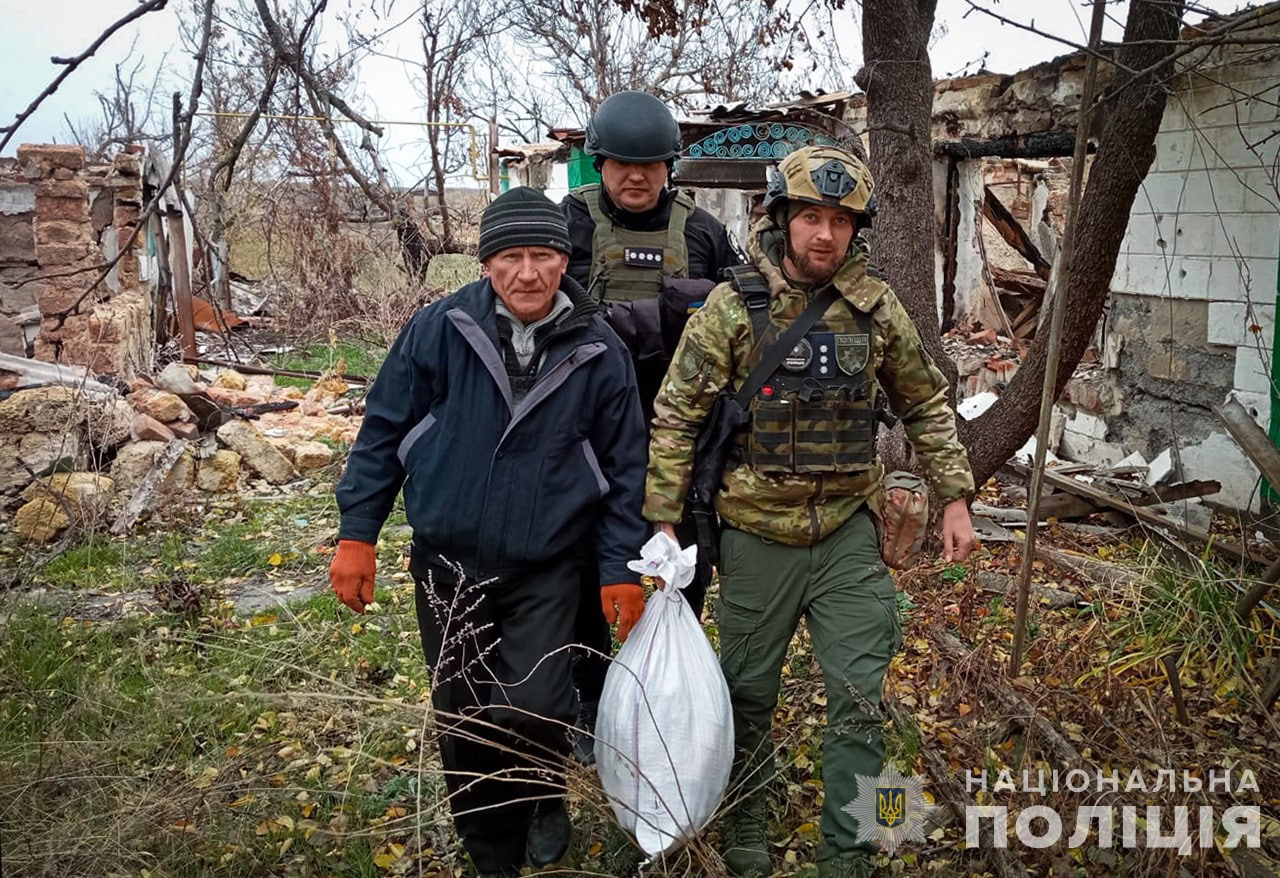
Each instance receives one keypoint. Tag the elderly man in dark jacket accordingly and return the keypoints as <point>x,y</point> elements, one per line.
<point>509,413</point>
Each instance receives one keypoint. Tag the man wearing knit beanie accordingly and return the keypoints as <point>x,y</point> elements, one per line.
<point>508,412</point>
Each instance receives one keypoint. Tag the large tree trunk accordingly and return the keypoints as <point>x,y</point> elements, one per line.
<point>1126,149</point>
<point>898,81</point>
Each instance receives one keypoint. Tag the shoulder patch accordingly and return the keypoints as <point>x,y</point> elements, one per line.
<point>867,294</point>
<point>692,359</point>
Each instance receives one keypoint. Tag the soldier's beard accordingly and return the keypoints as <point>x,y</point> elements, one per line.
<point>812,271</point>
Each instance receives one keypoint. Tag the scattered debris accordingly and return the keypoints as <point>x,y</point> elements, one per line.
<point>1054,598</point>
<point>146,491</point>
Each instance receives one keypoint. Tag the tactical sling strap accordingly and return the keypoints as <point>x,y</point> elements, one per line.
<point>729,412</point>
<point>754,290</point>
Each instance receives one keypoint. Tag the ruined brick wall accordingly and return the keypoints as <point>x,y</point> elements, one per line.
<point>17,259</point>
<point>60,221</point>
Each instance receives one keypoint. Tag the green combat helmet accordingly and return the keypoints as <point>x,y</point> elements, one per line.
<point>821,175</point>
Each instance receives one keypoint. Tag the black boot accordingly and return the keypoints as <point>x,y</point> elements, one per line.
<point>584,741</point>
<point>549,833</point>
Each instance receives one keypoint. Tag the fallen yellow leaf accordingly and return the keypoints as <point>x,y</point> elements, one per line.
<point>206,778</point>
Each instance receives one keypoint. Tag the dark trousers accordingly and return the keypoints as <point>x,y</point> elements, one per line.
<point>503,697</point>
<point>592,631</point>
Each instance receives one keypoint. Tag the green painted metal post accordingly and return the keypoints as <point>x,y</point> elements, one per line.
<point>1269,492</point>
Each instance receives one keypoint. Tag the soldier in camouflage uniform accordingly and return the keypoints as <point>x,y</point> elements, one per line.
<point>799,535</point>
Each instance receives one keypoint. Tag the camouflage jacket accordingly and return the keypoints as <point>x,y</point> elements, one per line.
<point>797,509</point>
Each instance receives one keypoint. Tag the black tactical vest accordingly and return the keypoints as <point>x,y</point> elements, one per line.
<point>626,265</point>
<point>816,413</point>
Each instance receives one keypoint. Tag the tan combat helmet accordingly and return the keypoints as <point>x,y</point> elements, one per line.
<point>822,175</point>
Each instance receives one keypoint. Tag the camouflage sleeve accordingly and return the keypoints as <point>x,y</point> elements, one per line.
<point>917,392</point>
<point>703,365</point>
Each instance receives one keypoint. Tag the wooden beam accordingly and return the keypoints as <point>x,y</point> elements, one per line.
<point>1041,145</point>
<point>1251,438</point>
<point>1066,506</point>
<point>1272,689</point>
<point>1011,230</point>
<point>722,173</point>
<point>951,239</point>
<point>182,282</point>
<point>1024,325</point>
<point>1025,283</point>
<point>1180,491</point>
<point>992,293</point>
<point>493,157</point>
<point>1257,591</point>
<point>1145,515</point>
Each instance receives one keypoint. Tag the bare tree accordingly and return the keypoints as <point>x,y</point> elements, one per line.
<point>690,53</point>
<point>453,38</point>
<point>125,112</point>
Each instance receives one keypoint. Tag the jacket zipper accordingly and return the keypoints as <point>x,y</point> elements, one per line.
<point>815,529</point>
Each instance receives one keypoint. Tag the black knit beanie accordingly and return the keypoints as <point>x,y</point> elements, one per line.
<point>522,217</point>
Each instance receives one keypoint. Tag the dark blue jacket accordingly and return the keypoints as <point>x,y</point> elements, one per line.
<point>497,488</point>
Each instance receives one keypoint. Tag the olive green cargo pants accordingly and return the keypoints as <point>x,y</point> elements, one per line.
<point>843,589</point>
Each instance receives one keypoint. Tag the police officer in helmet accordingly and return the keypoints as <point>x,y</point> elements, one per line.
<point>645,250</point>
<point>803,505</point>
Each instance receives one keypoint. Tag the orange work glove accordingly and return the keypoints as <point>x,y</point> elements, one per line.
<point>351,573</point>
<point>623,604</point>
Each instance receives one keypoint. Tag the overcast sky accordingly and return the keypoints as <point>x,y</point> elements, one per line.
<point>32,32</point>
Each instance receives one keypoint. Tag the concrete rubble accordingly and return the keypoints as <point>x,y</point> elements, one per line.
<point>72,458</point>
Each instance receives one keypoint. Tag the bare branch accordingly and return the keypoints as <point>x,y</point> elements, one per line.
<point>237,145</point>
<point>182,139</point>
<point>292,58</point>
<point>70,64</point>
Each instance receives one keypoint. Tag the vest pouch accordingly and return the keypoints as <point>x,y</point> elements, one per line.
<point>833,436</point>
<point>815,436</point>
<point>855,436</point>
<point>771,448</point>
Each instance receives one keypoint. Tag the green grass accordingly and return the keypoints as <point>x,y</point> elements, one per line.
<point>1187,611</point>
<point>253,731</point>
<point>277,537</point>
<point>361,359</point>
<point>98,563</point>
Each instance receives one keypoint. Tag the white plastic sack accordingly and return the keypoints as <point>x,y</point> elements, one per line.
<point>664,733</point>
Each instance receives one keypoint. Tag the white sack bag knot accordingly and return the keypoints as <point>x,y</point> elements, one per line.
<point>662,558</point>
<point>664,733</point>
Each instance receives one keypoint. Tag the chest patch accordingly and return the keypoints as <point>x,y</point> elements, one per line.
<point>642,257</point>
<point>800,357</point>
<point>852,352</point>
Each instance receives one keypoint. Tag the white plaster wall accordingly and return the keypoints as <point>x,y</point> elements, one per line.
<point>558,186</point>
<point>939,214</point>
<point>971,285</point>
<point>1206,226</point>
<point>731,206</point>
